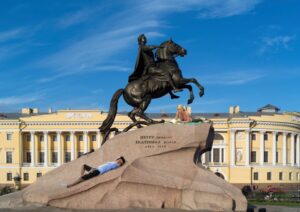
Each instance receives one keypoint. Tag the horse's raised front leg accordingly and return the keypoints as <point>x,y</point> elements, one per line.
<point>173,96</point>
<point>190,88</point>
<point>193,80</point>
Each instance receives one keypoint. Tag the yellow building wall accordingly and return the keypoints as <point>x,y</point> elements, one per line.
<point>89,120</point>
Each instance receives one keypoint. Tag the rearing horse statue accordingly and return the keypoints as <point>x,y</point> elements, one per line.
<point>140,92</point>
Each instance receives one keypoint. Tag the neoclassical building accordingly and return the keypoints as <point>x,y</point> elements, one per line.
<point>256,148</point>
<point>250,148</point>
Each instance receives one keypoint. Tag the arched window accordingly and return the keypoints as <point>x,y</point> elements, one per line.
<point>218,137</point>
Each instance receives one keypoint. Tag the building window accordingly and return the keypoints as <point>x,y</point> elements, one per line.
<point>290,175</point>
<point>9,157</point>
<point>28,157</point>
<point>54,138</point>
<point>253,156</point>
<point>209,156</point>
<point>216,153</point>
<point>67,157</point>
<point>280,175</point>
<point>39,174</point>
<point>9,136</point>
<point>255,175</point>
<point>266,136</point>
<point>253,137</point>
<point>9,176</point>
<point>277,157</point>
<point>222,155</point>
<point>26,176</point>
<point>266,156</point>
<point>28,137</point>
<point>41,157</point>
<point>41,138</point>
<point>94,138</point>
<point>269,176</point>
<point>277,137</point>
<point>67,137</point>
<point>80,137</point>
<point>54,157</point>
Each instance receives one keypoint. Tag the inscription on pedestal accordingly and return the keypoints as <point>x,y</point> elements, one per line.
<point>149,141</point>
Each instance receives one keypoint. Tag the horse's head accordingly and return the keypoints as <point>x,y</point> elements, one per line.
<point>169,50</point>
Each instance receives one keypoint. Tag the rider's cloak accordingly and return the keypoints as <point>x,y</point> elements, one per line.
<point>139,67</point>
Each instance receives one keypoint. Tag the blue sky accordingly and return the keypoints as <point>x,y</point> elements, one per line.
<point>75,54</point>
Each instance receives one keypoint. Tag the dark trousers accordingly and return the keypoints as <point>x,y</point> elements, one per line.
<point>90,173</point>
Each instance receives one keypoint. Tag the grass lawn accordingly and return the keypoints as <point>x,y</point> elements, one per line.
<point>263,202</point>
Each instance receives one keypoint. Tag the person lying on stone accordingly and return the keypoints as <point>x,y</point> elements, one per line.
<point>93,172</point>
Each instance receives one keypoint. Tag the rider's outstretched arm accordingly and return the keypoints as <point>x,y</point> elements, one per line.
<point>150,47</point>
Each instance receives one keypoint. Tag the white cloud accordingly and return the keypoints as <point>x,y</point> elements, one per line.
<point>221,9</point>
<point>11,34</point>
<point>97,91</point>
<point>233,78</point>
<point>99,48</point>
<point>275,43</point>
<point>16,100</point>
<point>10,50</point>
<point>95,53</point>
<point>77,17</point>
<point>204,8</point>
<point>114,68</point>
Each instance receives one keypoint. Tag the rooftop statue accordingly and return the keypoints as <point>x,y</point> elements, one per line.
<point>153,77</point>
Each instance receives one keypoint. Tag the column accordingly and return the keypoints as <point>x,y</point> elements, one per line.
<point>59,153</point>
<point>46,149</point>
<point>298,150</point>
<point>85,140</point>
<point>247,159</point>
<point>212,155</point>
<point>72,138</point>
<point>284,161</point>
<point>99,139</point>
<point>274,148</point>
<point>21,148</point>
<point>32,139</point>
<point>292,150</point>
<point>262,148</point>
<point>203,158</point>
<point>232,147</point>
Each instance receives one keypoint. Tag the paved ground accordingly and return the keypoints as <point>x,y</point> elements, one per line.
<point>276,208</point>
<point>51,209</point>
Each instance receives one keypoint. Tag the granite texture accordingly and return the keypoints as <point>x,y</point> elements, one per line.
<point>160,172</point>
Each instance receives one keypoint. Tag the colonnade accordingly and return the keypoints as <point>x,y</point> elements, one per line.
<point>294,148</point>
<point>72,134</point>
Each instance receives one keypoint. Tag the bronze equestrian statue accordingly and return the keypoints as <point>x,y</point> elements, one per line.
<point>150,80</point>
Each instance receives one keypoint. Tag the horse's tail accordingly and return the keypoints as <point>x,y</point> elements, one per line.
<point>108,122</point>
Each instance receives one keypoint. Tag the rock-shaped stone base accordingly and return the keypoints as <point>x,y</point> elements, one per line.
<point>160,172</point>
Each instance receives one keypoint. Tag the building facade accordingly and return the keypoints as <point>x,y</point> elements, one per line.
<point>256,148</point>
<point>259,148</point>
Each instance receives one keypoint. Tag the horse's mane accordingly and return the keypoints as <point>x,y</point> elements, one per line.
<point>161,52</point>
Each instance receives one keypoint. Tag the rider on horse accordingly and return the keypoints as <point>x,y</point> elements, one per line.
<point>146,65</point>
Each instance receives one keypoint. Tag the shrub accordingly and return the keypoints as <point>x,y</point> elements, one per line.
<point>6,190</point>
